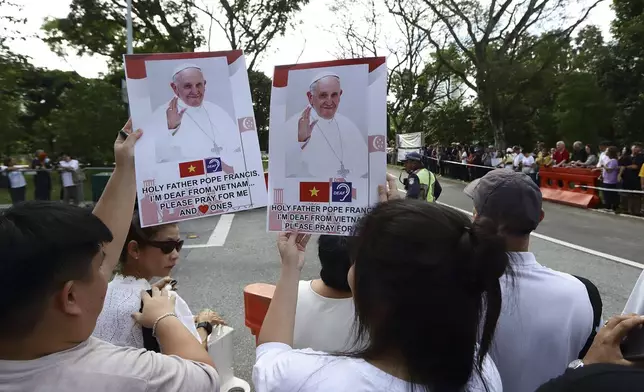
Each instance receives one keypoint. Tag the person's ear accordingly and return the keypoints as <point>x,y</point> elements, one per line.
<point>67,299</point>
<point>543,214</point>
<point>204,82</point>
<point>174,88</point>
<point>341,92</point>
<point>309,96</point>
<point>133,249</point>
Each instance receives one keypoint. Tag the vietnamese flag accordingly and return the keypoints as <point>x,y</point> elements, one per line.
<point>193,168</point>
<point>316,192</point>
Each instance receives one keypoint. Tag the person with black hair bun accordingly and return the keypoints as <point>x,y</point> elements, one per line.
<point>426,306</point>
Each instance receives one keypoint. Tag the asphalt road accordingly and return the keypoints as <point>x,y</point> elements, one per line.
<point>215,276</point>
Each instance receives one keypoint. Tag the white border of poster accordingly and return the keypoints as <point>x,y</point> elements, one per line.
<point>210,163</point>
<point>328,193</point>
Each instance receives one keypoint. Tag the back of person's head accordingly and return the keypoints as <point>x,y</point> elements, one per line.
<point>420,275</point>
<point>333,252</point>
<point>51,259</point>
<point>510,199</point>
<point>612,152</point>
<point>7,161</point>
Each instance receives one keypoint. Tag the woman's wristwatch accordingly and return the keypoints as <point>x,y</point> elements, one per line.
<point>205,325</point>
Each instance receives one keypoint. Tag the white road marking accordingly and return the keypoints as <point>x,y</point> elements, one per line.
<point>564,243</point>
<point>219,234</point>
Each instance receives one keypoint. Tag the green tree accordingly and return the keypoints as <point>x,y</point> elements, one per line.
<point>495,39</point>
<point>260,90</point>
<point>87,120</point>
<point>98,27</point>
<point>624,76</point>
<point>252,25</point>
<point>42,90</point>
<point>12,68</point>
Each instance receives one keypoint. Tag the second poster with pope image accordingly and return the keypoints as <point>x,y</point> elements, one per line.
<point>326,144</point>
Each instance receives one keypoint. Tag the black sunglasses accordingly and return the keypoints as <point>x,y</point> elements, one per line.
<point>166,246</point>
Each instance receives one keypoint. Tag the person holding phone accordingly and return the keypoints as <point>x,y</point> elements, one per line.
<point>604,368</point>
<point>148,253</point>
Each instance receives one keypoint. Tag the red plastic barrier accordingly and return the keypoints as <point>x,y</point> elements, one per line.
<point>559,185</point>
<point>257,298</point>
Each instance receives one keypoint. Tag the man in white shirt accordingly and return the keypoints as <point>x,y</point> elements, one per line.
<point>68,167</point>
<point>189,127</point>
<point>330,144</point>
<point>603,158</point>
<point>547,316</point>
<point>325,310</point>
<point>57,260</point>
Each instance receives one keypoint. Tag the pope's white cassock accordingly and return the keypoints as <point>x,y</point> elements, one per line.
<point>336,149</point>
<point>206,131</point>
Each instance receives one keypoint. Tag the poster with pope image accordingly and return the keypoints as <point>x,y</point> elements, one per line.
<point>327,144</point>
<point>199,154</point>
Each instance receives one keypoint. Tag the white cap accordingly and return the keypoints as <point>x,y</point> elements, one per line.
<point>184,66</point>
<point>323,75</point>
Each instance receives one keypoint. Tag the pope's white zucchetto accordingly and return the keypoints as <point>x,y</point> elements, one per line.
<point>323,75</point>
<point>183,67</point>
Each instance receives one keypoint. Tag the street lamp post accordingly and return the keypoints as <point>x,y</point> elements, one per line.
<point>128,22</point>
<point>128,27</point>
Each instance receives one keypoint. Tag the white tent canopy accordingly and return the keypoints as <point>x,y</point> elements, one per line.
<point>409,140</point>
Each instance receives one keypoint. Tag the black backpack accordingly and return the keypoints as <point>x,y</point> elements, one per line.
<point>596,303</point>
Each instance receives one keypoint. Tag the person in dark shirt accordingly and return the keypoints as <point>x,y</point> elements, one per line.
<point>42,180</point>
<point>579,153</point>
<point>630,166</point>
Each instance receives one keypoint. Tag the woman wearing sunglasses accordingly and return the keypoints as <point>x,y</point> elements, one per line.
<point>148,253</point>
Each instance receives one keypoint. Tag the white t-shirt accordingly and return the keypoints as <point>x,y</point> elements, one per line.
<point>16,179</point>
<point>525,161</point>
<point>115,324</point>
<point>323,324</point>
<point>545,321</point>
<point>464,157</point>
<point>635,303</point>
<point>68,180</point>
<point>98,366</point>
<point>517,158</point>
<point>603,159</point>
<point>280,368</point>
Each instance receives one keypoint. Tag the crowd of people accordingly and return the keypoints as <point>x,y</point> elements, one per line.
<point>12,178</point>
<point>421,298</point>
<point>618,170</point>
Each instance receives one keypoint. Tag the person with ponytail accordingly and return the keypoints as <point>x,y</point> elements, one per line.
<point>548,317</point>
<point>425,281</point>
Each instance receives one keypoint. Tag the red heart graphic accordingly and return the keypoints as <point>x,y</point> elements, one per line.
<point>203,208</point>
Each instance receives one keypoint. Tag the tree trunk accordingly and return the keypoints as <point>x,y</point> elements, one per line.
<point>499,131</point>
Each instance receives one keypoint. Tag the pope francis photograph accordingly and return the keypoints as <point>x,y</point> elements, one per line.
<point>330,145</point>
<point>192,128</point>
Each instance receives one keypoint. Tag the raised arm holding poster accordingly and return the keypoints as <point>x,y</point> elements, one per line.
<point>327,144</point>
<point>200,154</point>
